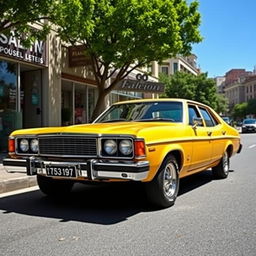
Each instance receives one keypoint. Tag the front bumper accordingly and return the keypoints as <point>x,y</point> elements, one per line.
<point>249,129</point>
<point>91,169</point>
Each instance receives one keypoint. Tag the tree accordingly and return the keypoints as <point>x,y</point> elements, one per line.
<point>122,35</point>
<point>251,107</point>
<point>222,104</point>
<point>16,17</point>
<point>198,88</point>
<point>240,111</point>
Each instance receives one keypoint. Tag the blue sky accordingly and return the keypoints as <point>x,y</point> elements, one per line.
<point>229,31</point>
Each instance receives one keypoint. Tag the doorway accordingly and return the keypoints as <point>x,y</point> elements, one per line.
<point>30,97</point>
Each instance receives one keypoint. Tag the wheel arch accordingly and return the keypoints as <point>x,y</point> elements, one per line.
<point>230,149</point>
<point>178,154</point>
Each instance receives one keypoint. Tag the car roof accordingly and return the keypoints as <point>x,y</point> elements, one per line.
<point>160,100</point>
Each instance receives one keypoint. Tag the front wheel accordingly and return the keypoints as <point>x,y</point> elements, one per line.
<point>221,170</point>
<point>162,191</point>
<point>54,187</point>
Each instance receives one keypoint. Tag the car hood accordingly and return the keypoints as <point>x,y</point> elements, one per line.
<point>249,125</point>
<point>125,128</point>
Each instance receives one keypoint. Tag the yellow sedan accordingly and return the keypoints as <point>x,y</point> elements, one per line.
<point>155,142</point>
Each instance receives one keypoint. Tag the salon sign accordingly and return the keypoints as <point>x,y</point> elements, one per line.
<point>11,47</point>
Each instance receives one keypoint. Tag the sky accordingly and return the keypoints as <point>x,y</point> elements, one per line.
<point>229,31</point>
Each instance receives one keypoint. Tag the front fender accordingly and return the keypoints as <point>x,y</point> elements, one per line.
<point>157,153</point>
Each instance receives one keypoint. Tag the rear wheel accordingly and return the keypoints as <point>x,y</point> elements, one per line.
<point>162,191</point>
<point>54,187</point>
<point>221,171</point>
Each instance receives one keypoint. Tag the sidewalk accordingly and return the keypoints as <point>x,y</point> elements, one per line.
<point>13,181</point>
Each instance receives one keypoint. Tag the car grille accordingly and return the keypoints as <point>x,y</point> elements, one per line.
<point>70,146</point>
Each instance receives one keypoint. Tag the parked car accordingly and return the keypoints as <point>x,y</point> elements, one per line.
<point>226,119</point>
<point>155,142</point>
<point>249,125</point>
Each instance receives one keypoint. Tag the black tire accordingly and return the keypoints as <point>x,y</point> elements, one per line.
<point>54,187</point>
<point>162,191</point>
<point>221,170</point>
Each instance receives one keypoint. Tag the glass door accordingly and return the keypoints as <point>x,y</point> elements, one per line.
<point>10,118</point>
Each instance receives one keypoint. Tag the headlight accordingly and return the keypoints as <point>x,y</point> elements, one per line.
<point>125,147</point>
<point>110,147</point>
<point>34,145</point>
<point>24,145</point>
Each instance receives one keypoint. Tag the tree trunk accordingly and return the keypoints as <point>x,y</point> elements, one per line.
<point>100,105</point>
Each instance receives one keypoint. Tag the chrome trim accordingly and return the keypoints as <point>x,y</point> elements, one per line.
<point>122,175</point>
<point>120,137</point>
<point>191,140</point>
<point>17,146</point>
<point>16,169</point>
<point>137,164</point>
<point>37,166</point>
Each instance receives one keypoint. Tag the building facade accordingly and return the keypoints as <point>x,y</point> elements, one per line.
<point>47,86</point>
<point>186,64</point>
<point>234,86</point>
<point>250,88</point>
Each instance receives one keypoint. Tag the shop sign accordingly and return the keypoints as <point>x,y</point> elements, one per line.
<point>11,47</point>
<point>140,85</point>
<point>78,57</point>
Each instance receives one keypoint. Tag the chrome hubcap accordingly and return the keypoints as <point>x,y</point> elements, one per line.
<point>170,180</point>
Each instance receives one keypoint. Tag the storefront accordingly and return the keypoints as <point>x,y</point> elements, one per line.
<point>49,85</point>
<point>78,101</point>
<point>20,85</point>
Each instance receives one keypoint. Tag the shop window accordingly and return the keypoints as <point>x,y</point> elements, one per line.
<point>67,108</point>
<point>10,119</point>
<point>92,99</point>
<point>78,102</point>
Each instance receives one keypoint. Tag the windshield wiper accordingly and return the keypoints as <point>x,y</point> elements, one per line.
<point>113,120</point>
<point>157,119</point>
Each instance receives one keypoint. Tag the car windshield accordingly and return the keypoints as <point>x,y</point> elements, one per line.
<point>143,112</point>
<point>226,119</point>
<point>250,121</point>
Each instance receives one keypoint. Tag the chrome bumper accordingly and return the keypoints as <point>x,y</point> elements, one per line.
<point>91,169</point>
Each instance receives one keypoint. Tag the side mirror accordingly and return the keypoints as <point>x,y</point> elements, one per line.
<point>197,121</point>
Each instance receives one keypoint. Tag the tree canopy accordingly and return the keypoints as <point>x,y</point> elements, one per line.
<point>123,35</point>
<point>198,88</point>
<point>16,16</point>
<point>240,111</point>
<point>119,36</point>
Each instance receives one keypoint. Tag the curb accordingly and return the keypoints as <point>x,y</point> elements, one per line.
<point>17,183</point>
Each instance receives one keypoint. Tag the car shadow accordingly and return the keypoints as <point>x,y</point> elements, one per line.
<point>104,204</point>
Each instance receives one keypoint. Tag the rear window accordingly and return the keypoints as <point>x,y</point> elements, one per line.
<point>250,121</point>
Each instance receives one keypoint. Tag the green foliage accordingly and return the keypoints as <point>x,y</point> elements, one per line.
<point>122,35</point>
<point>246,108</point>
<point>119,35</point>
<point>198,88</point>
<point>251,107</point>
<point>15,15</point>
<point>240,111</point>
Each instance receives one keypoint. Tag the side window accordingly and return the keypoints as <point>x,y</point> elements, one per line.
<point>193,112</point>
<point>209,120</point>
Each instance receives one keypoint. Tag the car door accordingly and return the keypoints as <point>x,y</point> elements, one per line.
<point>215,133</point>
<point>202,146</point>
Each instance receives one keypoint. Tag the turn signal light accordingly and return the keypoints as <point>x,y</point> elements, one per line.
<point>140,149</point>
<point>11,145</point>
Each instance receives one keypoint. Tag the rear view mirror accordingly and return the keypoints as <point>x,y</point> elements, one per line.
<point>197,121</point>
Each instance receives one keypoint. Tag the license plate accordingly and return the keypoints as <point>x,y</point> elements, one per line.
<point>60,171</point>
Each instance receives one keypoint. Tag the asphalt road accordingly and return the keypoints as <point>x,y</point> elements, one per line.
<point>210,217</point>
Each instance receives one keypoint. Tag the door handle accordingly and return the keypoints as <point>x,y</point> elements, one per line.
<point>209,133</point>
